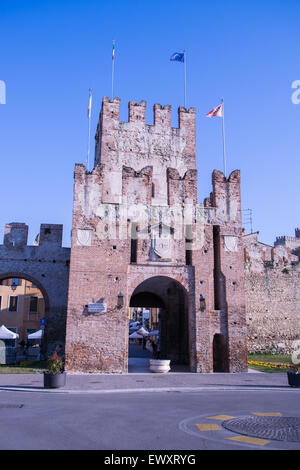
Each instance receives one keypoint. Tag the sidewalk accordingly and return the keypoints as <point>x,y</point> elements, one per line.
<point>140,379</point>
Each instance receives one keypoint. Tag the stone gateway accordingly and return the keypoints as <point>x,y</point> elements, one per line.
<point>140,238</point>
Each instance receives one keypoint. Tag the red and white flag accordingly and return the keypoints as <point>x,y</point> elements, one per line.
<point>218,111</point>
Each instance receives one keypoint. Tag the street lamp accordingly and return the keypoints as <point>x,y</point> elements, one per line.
<point>202,303</point>
<point>120,300</point>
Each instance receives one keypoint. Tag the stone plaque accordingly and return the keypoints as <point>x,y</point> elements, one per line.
<point>230,243</point>
<point>98,307</point>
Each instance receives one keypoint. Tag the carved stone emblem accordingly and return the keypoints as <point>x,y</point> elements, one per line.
<point>84,237</point>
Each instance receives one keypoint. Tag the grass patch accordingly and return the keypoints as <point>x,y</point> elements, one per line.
<point>30,367</point>
<point>272,358</point>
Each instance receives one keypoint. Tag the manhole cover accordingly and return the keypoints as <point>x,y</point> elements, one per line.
<point>276,428</point>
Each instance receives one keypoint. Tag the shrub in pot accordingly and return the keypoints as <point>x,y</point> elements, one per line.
<point>294,376</point>
<point>55,376</point>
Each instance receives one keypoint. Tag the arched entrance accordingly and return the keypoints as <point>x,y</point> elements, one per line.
<point>160,304</point>
<point>23,304</point>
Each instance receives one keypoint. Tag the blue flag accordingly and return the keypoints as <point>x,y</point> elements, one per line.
<point>179,56</point>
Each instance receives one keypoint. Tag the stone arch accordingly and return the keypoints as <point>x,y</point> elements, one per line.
<point>21,275</point>
<point>180,280</point>
<point>172,299</point>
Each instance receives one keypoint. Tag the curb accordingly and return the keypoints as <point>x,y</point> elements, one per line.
<point>152,390</point>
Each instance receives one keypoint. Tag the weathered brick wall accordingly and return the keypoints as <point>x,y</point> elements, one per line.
<point>219,274</point>
<point>272,288</point>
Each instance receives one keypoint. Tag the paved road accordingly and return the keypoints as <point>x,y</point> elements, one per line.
<point>173,420</point>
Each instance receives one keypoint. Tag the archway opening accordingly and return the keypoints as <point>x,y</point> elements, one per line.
<point>220,356</point>
<point>22,311</point>
<point>159,306</point>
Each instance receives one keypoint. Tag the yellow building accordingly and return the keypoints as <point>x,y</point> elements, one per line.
<point>21,307</point>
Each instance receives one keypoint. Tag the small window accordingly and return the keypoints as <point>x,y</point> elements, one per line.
<point>47,231</point>
<point>33,304</point>
<point>13,303</point>
<point>153,190</point>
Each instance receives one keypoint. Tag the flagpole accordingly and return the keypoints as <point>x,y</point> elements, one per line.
<point>89,136</point>
<point>184,78</point>
<point>112,71</point>
<point>223,135</point>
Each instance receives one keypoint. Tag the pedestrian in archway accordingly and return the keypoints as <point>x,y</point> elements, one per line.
<point>157,349</point>
<point>154,348</point>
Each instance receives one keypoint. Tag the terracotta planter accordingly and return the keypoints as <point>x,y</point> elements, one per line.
<point>54,380</point>
<point>293,378</point>
<point>161,366</point>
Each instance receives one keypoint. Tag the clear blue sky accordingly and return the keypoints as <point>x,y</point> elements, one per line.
<point>247,52</point>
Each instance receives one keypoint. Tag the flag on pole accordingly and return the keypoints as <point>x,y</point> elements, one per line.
<point>112,70</point>
<point>90,104</point>
<point>218,111</point>
<point>178,56</point>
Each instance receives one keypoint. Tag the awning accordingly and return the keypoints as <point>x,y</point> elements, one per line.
<point>153,333</point>
<point>135,335</point>
<point>143,332</point>
<point>36,335</point>
<point>5,333</point>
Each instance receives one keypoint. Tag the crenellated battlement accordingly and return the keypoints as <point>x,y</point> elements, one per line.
<point>292,242</point>
<point>137,113</point>
<point>16,235</point>
<point>136,144</point>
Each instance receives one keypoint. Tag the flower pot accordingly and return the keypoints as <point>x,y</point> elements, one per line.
<point>161,366</point>
<point>293,378</point>
<point>54,380</point>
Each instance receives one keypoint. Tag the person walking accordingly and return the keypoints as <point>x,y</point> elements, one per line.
<point>157,350</point>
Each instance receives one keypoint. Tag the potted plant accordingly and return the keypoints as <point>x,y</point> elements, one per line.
<point>55,376</point>
<point>294,376</point>
<point>161,366</point>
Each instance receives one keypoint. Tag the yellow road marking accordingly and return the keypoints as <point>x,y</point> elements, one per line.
<point>208,427</point>
<point>267,414</point>
<point>221,417</point>
<point>249,440</point>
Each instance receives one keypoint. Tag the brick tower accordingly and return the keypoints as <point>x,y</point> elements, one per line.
<point>140,239</point>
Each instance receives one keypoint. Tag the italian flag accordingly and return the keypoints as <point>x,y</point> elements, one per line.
<point>113,51</point>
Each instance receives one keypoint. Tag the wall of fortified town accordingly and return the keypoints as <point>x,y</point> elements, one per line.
<point>46,264</point>
<point>272,289</point>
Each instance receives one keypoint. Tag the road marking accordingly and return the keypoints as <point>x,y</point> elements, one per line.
<point>221,417</point>
<point>267,414</point>
<point>249,440</point>
<point>208,427</point>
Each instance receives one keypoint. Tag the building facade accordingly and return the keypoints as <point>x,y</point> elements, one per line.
<point>140,239</point>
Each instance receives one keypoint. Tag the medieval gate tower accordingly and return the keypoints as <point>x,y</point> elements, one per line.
<point>140,238</point>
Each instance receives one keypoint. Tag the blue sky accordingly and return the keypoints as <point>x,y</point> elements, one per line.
<point>52,52</point>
